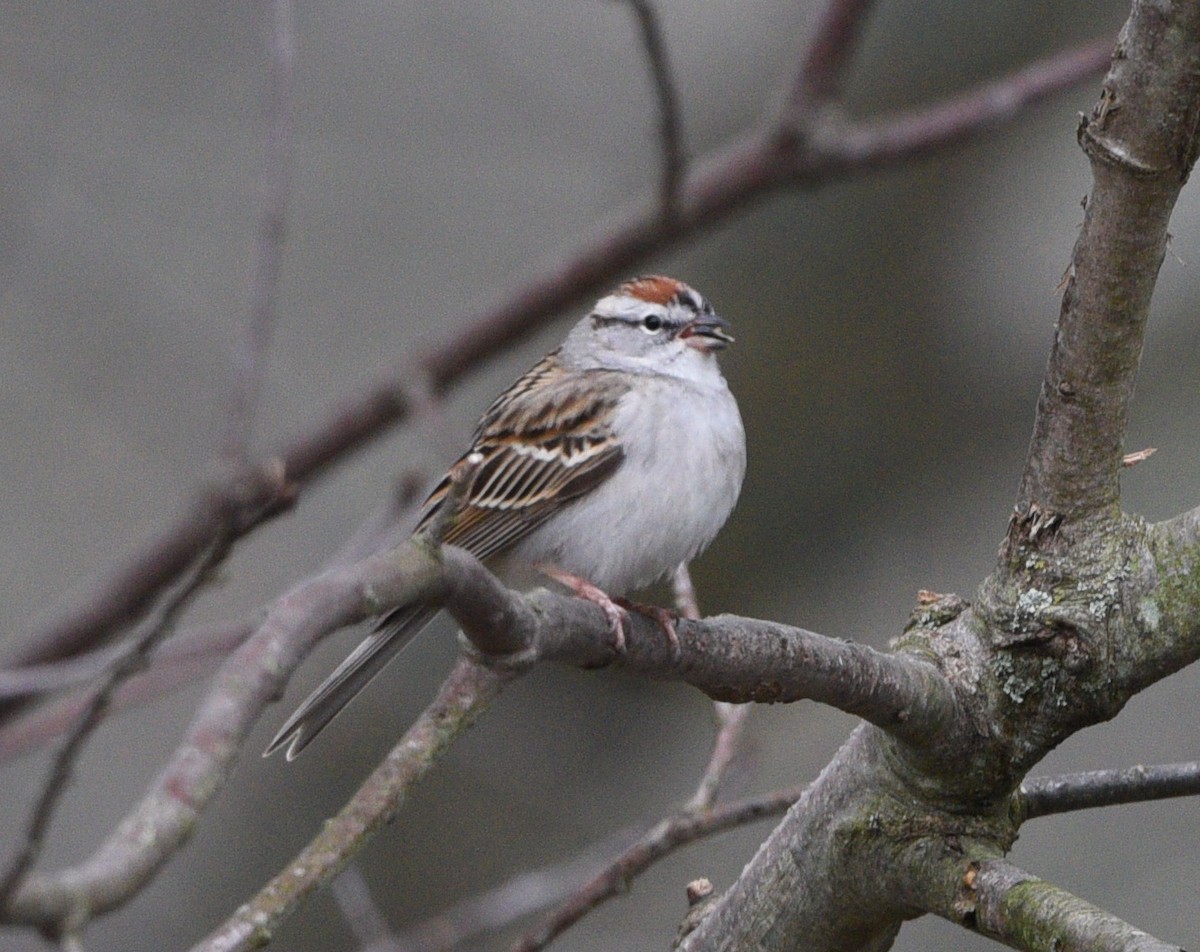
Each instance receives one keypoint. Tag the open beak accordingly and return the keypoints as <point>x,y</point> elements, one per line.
<point>707,333</point>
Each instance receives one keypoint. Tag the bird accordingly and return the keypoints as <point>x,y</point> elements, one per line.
<point>615,458</point>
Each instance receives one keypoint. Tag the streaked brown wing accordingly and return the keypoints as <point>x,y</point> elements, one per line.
<point>545,441</point>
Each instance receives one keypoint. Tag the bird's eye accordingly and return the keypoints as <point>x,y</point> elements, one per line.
<point>652,323</point>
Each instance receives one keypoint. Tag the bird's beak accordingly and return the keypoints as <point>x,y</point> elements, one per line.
<point>707,333</point>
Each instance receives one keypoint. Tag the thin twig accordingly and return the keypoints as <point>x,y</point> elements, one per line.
<point>731,718</point>
<point>250,352</point>
<point>1044,796</point>
<point>469,690</point>
<point>661,840</point>
<point>668,833</point>
<point>829,53</point>
<point>154,630</point>
<point>669,123</point>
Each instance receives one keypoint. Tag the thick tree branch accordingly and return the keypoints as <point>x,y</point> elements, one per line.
<point>996,899</point>
<point>1139,164</point>
<point>1045,796</point>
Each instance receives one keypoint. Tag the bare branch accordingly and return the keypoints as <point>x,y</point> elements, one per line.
<point>1008,904</point>
<point>669,122</point>
<point>352,893</point>
<point>920,131</point>
<point>663,838</point>
<point>178,662</point>
<point>252,676</point>
<point>829,53</point>
<point>731,718</point>
<point>155,629</point>
<point>469,690</point>
<point>1139,164</point>
<point>1044,796</point>
<point>250,353</point>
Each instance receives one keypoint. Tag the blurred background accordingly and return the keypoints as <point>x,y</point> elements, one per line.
<point>892,331</point>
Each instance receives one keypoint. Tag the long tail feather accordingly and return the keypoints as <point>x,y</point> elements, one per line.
<point>350,677</point>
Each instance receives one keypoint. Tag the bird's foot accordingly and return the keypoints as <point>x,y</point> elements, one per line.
<point>613,610</point>
<point>666,621</point>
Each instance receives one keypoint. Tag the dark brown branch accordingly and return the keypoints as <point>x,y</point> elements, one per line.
<point>669,124</point>
<point>722,185</point>
<point>1044,796</point>
<point>469,690</point>
<point>250,352</point>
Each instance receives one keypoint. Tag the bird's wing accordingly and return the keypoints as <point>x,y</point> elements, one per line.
<point>545,441</point>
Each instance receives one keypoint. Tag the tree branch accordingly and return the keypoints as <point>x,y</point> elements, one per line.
<point>252,676</point>
<point>1044,796</point>
<point>63,767</point>
<point>250,353</point>
<point>669,123</point>
<point>829,54</point>
<point>662,839</point>
<point>1139,164</point>
<point>998,900</point>
<point>469,690</point>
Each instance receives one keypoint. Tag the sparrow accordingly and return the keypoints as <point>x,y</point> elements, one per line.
<point>615,458</point>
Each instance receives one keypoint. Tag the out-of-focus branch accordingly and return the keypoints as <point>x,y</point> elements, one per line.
<point>721,185</point>
<point>467,692</point>
<point>659,841</point>
<point>252,676</point>
<point>669,124</point>
<point>1044,796</point>
<point>178,662</point>
<point>155,629</point>
<point>829,53</point>
<point>250,352</point>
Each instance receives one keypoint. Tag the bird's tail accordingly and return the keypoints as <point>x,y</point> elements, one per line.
<point>350,677</point>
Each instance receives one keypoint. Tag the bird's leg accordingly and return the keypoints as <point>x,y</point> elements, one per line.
<point>665,618</point>
<point>582,588</point>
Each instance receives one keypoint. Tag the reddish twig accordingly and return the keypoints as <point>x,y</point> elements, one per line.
<point>661,840</point>
<point>829,53</point>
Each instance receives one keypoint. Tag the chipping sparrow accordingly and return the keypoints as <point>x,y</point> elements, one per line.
<point>618,456</point>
